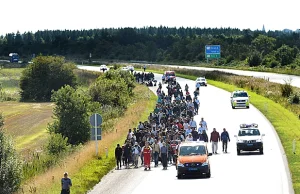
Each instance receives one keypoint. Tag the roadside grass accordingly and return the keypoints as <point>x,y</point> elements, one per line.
<point>84,167</point>
<point>27,123</point>
<point>285,122</point>
<point>9,80</point>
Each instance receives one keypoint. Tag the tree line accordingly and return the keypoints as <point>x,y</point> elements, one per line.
<point>158,44</point>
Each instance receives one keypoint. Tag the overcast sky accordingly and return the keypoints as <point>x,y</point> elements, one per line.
<point>33,15</point>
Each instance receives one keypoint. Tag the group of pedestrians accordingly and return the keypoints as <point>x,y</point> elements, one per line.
<point>171,123</point>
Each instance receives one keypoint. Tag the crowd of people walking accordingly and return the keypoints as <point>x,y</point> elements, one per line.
<point>171,123</point>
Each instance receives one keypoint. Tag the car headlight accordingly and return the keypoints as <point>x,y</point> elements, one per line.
<point>240,141</point>
<point>258,140</point>
<point>205,164</point>
<point>180,164</point>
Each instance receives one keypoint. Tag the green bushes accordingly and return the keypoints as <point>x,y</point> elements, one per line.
<point>295,98</point>
<point>57,144</point>
<point>286,89</point>
<point>45,74</point>
<point>114,88</point>
<point>10,164</point>
<point>71,115</point>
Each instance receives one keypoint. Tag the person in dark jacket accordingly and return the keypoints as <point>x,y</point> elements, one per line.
<point>225,138</point>
<point>195,135</point>
<point>118,155</point>
<point>203,136</point>
<point>127,153</point>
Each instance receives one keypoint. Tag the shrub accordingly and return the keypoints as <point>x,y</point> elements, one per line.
<point>286,89</point>
<point>71,115</point>
<point>254,60</point>
<point>10,164</point>
<point>295,98</point>
<point>57,144</point>
<point>110,92</point>
<point>229,59</point>
<point>44,75</point>
<point>273,64</point>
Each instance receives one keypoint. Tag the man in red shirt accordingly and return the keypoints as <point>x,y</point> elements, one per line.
<point>214,138</point>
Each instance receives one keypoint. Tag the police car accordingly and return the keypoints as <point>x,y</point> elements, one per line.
<point>239,98</point>
<point>249,138</point>
<point>202,81</point>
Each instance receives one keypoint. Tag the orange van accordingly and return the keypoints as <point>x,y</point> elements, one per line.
<point>193,159</point>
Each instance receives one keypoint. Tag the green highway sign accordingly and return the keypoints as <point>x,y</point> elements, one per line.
<point>212,56</point>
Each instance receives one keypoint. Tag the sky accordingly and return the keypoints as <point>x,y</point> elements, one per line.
<point>34,15</point>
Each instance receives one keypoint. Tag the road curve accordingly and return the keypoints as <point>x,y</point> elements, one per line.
<point>248,173</point>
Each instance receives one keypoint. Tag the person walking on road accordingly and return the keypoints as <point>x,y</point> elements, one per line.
<point>164,156</point>
<point>118,155</point>
<point>203,136</point>
<point>204,123</point>
<point>127,153</point>
<point>189,137</point>
<point>225,138</point>
<point>156,153</point>
<point>147,155</point>
<point>214,139</point>
<point>136,154</point>
<point>66,183</point>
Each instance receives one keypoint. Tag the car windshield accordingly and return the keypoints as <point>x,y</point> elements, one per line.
<point>203,80</point>
<point>249,132</point>
<point>192,150</point>
<point>240,94</point>
<point>170,74</point>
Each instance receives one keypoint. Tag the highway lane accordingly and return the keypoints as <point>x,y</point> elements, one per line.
<point>249,173</point>
<point>273,77</point>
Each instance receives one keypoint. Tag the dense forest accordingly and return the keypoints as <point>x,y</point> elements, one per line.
<point>158,44</point>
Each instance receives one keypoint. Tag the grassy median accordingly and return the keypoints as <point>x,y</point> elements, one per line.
<point>84,168</point>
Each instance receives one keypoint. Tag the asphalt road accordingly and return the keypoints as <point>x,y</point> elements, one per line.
<point>273,77</point>
<point>248,173</point>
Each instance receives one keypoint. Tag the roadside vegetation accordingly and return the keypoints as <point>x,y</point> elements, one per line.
<point>85,169</point>
<point>278,102</point>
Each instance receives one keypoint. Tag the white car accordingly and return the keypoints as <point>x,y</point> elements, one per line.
<point>130,68</point>
<point>124,69</point>
<point>249,138</point>
<point>202,81</point>
<point>239,98</point>
<point>103,68</point>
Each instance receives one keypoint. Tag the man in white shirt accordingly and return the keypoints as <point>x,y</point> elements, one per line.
<point>204,124</point>
<point>185,125</point>
<point>189,137</point>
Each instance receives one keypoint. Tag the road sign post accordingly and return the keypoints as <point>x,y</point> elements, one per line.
<point>95,121</point>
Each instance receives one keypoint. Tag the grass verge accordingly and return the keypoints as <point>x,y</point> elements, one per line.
<point>84,168</point>
<point>286,124</point>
